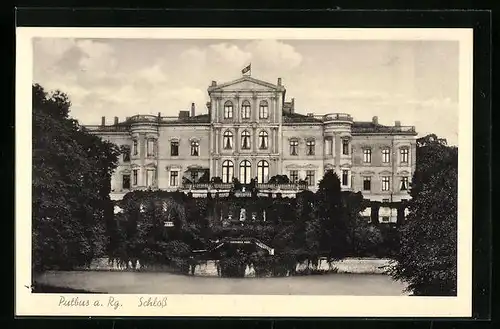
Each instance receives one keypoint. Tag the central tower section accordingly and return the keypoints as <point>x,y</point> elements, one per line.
<point>246,117</point>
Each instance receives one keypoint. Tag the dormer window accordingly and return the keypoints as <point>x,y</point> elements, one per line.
<point>228,110</point>
<point>245,110</point>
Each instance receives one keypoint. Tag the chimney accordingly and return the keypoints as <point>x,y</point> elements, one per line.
<point>214,83</point>
<point>397,123</point>
<point>193,109</point>
<point>116,121</point>
<point>375,120</point>
<point>209,107</point>
<point>127,118</point>
<point>279,81</point>
<point>183,114</point>
<point>292,108</point>
<point>103,121</point>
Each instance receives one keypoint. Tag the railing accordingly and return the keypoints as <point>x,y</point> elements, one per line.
<point>119,128</point>
<point>261,187</point>
<point>385,129</point>
<point>144,118</point>
<point>336,116</point>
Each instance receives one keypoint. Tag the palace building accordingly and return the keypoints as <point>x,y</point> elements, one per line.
<point>250,130</point>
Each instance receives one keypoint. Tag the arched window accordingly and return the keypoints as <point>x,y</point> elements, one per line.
<point>228,139</point>
<point>245,140</point>
<point>262,171</point>
<point>245,110</point>
<point>227,171</point>
<point>245,172</point>
<point>195,148</point>
<point>263,140</point>
<point>294,147</point>
<point>228,110</point>
<point>263,110</point>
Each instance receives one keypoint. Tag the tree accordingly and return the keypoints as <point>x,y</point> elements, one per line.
<point>427,260</point>
<point>332,216</point>
<point>71,185</point>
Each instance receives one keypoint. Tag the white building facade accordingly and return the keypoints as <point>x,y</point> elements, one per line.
<point>248,131</point>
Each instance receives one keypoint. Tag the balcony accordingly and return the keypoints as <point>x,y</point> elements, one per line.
<point>336,117</point>
<point>246,190</point>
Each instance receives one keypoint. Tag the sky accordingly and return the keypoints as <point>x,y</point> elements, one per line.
<point>415,82</point>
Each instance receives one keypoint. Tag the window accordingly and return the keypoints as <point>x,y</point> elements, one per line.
<point>150,147</point>
<point>385,219</point>
<point>194,176</point>
<point>310,145</point>
<point>294,176</point>
<point>345,177</point>
<point>367,183</point>
<point>263,139</point>
<point>195,148</point>
<point>174,178</point>
<point>386,155</point>
<point>228,140</point>
<point>345,146</point>
<point>245,110</point>
<point>328,146</point>
<point>245,140</point>
<point>126,182</point>
<point>174,148</point>
<point>135,175</point>
<point>386,183</point>
<point>367,155</point>
<point>263,110</point>
<point>245,172</point>
<point>134,147</point>
<point>404,155</point>
<point>228,110</point>
<point>227,171</point>
<point>294,147</point>
<point>404,184</point>
<point>310,177</point>
<point>126,154</point>
<point>262,171</point>
<point>150,178</point>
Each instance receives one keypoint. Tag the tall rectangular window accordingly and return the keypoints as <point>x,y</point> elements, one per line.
<point>404,184</point>
<point>404,152</point>
<point>367,183</point>
<point>294,176</point>
<point>150,178</point>
<point>310,147</point>
<point>294,147</point>
<point>135,150</point>
<point>367,155</point>
<point>174,178</point>
<point>126,153</point>
<point>195,148</point>
<point>126,182</point>
<point>345,147</point>
<point>345,177</point>
<point>151,147</point>
<point>135,176</point>
<point>174,148</point>
<point>310,177</point>
<point>386,183</point>
<point>386,155</point>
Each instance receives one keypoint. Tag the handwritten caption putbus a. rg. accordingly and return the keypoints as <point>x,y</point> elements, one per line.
<point>109,302</point>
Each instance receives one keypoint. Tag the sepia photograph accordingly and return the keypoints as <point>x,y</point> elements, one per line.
<point>248,164</point>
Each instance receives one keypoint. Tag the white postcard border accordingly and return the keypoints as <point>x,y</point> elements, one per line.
<point>27,303</point>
